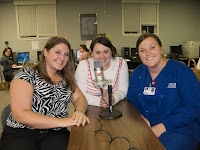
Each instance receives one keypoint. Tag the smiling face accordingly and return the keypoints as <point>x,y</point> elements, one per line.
<point>150,53</point>
<point>103,53</point>
<point>57,57</point>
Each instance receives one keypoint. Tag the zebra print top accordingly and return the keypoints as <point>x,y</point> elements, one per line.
<point>48,99</point>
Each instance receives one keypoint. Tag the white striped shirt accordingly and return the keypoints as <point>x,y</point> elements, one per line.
<point>117,73</point>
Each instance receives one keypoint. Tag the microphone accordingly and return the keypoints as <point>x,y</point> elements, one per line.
<point>100,82</point>
<point>110,113</point>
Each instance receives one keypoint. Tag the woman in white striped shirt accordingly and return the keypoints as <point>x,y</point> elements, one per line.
<point>114,69</point>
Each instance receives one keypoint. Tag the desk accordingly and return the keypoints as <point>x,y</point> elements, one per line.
<point>130,125</point>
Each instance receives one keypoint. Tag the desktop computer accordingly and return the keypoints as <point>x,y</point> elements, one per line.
<point>125,52</point>
<point>134,54</point>
<point>177,50</point>
<point>23,56</point>
<point>77,55</point>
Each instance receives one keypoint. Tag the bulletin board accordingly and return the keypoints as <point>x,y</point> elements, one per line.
<point>88,26</point>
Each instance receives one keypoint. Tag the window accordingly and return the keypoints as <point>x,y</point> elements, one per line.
<point>140,16</point>
<point>36,19</point>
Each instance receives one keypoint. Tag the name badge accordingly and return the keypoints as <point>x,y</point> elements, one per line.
<point>149,91</point>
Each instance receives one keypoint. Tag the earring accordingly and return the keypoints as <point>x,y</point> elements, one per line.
<point>45,58</point>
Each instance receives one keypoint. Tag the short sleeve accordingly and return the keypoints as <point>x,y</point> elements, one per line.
<point>26,74</point>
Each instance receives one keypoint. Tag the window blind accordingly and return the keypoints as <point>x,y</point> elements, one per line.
<point>131,18</point>
<point>148,14</point>
<point>46,20</point>
<point>27,20</point>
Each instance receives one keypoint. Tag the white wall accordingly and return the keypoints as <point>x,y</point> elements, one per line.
<point>179,22</point>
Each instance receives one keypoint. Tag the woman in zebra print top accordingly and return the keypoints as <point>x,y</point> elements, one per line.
<point>39,99</point>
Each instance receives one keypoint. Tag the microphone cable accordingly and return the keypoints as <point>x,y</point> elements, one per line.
<point>111,138</point>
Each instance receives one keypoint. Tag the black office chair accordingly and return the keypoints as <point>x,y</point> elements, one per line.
<point>4,115</point>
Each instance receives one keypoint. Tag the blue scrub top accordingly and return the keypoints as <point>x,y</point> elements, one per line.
<point>176,102</point>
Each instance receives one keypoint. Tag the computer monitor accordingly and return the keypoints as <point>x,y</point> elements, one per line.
<point>78,54</point>
<point>134,52</point>
<point>177,50</point>
<point>22,56</point>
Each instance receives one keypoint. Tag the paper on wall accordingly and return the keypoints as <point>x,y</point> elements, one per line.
<point>35,45</point>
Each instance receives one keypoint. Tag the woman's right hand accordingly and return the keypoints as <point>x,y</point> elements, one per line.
<point>147,121</point>
<point>104,99</point>
<point>14,65</point>
<point>66,122</point>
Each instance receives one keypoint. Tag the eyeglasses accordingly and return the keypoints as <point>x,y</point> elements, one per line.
<point>111,138</point>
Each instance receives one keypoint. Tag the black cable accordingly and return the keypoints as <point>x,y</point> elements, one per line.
<point>106,132</point>
<point>112,139</point>
<point>123,138</point>
<point>100,124</point>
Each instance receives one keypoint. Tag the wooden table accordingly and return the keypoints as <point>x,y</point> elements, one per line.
<point>130,125</point>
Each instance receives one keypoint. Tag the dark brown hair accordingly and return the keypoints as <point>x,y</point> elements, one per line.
<point>11,54</point>
<point>84,47</point>
<point>67,72</point>
<point>146,35</point>
<point>102,39</point>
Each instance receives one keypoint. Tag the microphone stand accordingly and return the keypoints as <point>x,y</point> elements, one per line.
<point>110,113</point>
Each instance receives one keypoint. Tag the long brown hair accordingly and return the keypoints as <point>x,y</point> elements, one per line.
<point>67,72</point>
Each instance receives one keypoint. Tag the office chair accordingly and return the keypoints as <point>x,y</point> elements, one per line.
<point>2,74</point>
<point>4,115</point>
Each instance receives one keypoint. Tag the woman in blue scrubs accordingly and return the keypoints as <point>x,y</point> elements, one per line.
<point>166,94</point>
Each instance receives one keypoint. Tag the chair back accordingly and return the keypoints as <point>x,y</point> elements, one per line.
<point>1,74</point>
<point>4,115</point>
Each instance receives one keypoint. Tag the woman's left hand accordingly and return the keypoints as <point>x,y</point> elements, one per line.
<point>159,129</point>
<point>80,118</point>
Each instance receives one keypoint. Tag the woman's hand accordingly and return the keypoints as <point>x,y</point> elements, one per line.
<point>104,99</point>
<point>66,122</point>
<point>80,118</point>
<point>80,104</point>
<point>147,121</point>
<point>158,129</point>
<point>14,65</point>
